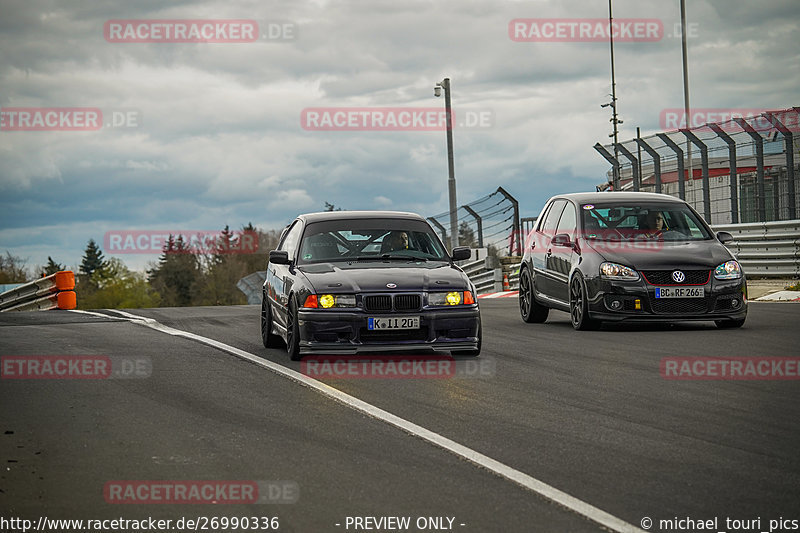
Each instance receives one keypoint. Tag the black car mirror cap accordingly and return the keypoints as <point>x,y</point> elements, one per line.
<point>460,253</point>
<point>279,257</point>
<point>724,237</point>
<point>562,239</point>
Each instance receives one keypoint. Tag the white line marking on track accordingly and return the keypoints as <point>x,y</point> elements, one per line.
<point>543,489</point>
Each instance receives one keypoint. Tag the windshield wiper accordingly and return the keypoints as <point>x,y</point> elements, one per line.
<point>388,257</point>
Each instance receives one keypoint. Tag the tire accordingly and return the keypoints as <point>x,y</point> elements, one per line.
<point>269,339</point>
<point>729,324</point>
<point>472,353</point>
<point>530,310</point>
<point>579,306</point>
<point>292,332</point>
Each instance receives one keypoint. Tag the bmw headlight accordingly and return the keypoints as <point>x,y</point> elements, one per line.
<point>617,271</point>
<point>728,270</point>
<point>451,298</point>
<point>326,301</point>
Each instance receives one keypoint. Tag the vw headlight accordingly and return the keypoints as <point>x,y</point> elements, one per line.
<point>728,270</point>
<point>617,271</point>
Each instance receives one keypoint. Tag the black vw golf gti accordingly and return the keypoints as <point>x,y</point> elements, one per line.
<point>350,282</point>
<point>614,256</point>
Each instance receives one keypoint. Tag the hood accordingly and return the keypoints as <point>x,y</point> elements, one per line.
<point>374,276</point>
<point>660,255</point>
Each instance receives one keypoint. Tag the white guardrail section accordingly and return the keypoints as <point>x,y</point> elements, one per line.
<point>51,292</point>
<point>766,249</point>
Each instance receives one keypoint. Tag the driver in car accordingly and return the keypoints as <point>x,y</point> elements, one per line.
<point>398,240</point>
<point>655,224</point>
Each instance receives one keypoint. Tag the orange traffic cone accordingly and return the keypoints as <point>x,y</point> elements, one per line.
<point>506,285</point>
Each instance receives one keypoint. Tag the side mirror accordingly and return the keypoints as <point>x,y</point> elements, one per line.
<point>461,253</point>
<point>561,239</point>
<point>724,237</point>
<point>279,257</point>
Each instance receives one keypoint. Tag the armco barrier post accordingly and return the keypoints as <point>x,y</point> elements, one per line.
<point>497,277</point>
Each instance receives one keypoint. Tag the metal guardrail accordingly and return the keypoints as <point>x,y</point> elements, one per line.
<point>488,280</point>
<point>251,286</point>
<point>55,291</point>
<point>766,249</point>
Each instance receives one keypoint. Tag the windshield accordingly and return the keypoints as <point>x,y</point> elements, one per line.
<point>669,222</point>
<point>370,240</point>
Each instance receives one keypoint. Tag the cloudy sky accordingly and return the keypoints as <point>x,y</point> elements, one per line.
<point>216,135</point>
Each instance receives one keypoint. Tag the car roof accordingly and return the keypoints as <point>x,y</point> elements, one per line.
<point>617,196</point>
<point>345,215</point>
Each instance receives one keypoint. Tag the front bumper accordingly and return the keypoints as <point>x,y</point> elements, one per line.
<point>722,300</point>
<point>344,331</point>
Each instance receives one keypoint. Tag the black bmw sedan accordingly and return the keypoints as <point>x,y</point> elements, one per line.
<point>349,282</point>
<point>614,256</point>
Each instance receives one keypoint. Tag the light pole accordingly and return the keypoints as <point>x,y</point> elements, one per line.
<point>616,122</point>
<point>686,95</point>
<point>613,103</point>
<point>451,182</point>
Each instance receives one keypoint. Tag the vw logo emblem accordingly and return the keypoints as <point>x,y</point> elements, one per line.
<point>391,285</point>
<point>678,276</point>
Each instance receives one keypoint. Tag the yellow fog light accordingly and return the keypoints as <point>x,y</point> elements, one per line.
<point>326,300</point>
<point>637,303</point>
<point>453,298</point>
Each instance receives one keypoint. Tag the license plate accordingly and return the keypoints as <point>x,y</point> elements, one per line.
<point>679,292</point>
<point>394,322</point>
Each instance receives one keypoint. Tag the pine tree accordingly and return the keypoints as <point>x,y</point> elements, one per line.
<point>51,267</point>
<point>92,259</point>
<point>177,273</point>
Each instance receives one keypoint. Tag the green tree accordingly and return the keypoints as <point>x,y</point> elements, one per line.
<point>176,274</point>
<point>91,262</point>
<point>92,259</point>
<point>12,269</point>
<point>466,235</point>
<point>330,207</point>
<point>222,269</point>
<point>115,286</point>
<point>51,267</point>
<point>255,248</point>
